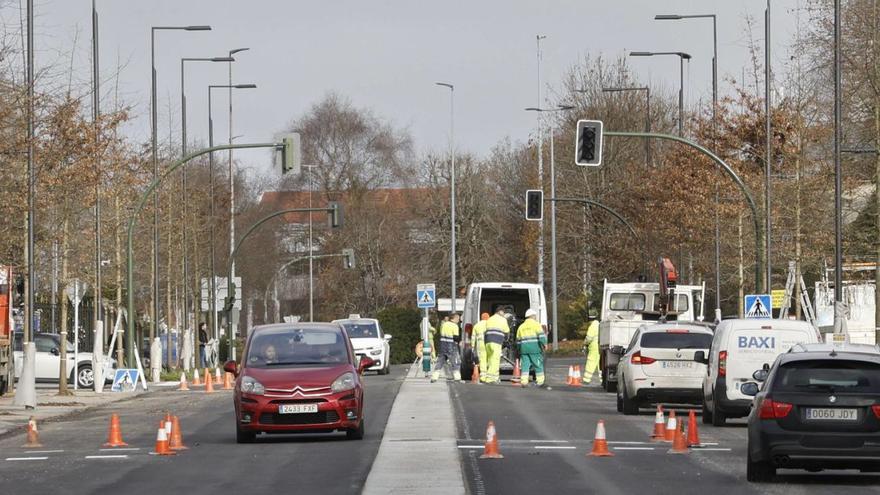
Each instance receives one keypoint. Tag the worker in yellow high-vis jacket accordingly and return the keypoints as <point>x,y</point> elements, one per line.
<point>531,340</point>
<point>591,342</point>
<point>478,341</point>
<point>497,331</point>
<point>450,336</point>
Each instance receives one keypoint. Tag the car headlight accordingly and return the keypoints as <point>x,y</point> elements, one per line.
<point>251,386</point>
<point>343,383</point>
<point>376,352</point>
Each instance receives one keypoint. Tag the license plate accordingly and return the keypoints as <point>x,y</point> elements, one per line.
<point>297,408</point>
<point>832,413</point>
<point>677,364</point>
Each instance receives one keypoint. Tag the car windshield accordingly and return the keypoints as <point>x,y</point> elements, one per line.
<point>676,340</point>
<point>828,376</point>
<point>297,346</point>
<point>362,330</point>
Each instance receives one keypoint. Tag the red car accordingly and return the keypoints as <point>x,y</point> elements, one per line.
<point>298,378</point>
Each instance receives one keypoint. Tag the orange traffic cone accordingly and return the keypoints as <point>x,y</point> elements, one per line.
<point>217,378</point>
<point>196,379</point>
<point>475,376</point>
<point>517,374</point>
<point>679,444</point>
<point>183,386</point>
<point>227,381</point>
<point>671,426</point>
<point>600,444</point>
<point>33,436</point>
<point>693,435</point>
<point>176,442</point>
<point>659,434</point>
<point>162,441</point>
<point>209,384</point>
<point>576,379</point>
<point>114,438</point>
<point>570,375</point>
<point>490,451</point>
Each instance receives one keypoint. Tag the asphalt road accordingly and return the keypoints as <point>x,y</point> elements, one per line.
<point>73,462</point>
<point>545,436</point>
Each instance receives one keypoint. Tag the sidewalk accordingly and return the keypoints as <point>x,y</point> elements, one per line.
<point>418,453</point>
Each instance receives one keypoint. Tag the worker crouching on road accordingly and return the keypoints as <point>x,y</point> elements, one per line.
<point>531,340</point>
<point>591,342</point>
<point>478,335</point>
<point>450,335</point>
<point>497,331</point>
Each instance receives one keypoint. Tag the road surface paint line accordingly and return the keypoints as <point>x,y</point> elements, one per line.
<point>120,449</point>
<point>712,450</point>
<point>44,451</point>
<point>26,458</point>
<point>633,448</point>
<point>628,443</point>
<point>118,456</point>
<point>470,446</point>
<point>558,447</point>
<point>548,441</point>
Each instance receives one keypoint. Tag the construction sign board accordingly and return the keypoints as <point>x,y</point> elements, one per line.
<point>125,380</point>
<point>758,306</point>
<point>777,297</point>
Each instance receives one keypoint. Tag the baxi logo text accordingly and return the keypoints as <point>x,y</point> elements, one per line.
<point>756,342</point>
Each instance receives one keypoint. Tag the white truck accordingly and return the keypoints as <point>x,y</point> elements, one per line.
<point>626,306</point>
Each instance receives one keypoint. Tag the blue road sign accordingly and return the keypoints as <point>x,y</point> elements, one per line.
<point>758,306</point>
<point>426,296</point>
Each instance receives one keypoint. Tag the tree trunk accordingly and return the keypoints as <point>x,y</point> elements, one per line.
<point>741,281</point>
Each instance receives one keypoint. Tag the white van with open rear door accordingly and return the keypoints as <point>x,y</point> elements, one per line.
<point>739,348</point>
<point>487,297</point>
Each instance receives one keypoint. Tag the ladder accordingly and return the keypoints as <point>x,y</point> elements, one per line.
<point>806,305</point>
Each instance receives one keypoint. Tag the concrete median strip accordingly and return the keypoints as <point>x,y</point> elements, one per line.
<point>420,432</point>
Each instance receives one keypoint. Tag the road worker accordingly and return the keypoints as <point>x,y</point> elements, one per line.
<point>497,332</point>
<point>591,343</point>
<point>450,335</point>
<point>531,341</point>
<point>478,335</point>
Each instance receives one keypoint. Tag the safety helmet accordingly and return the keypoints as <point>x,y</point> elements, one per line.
<point>484,316</point>
<point>530,313</point>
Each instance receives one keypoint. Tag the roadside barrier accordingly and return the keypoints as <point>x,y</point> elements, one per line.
<point>176,442</point>
<point>490,451</point>
<point>33,436</point>
<point>114,437</point>
<point>659,434</point>
<point>600,443</point>
<point>679,444</point>
<point>671,426</point>
<point>693,435</point>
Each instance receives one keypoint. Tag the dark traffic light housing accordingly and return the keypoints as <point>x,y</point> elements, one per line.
<point>335,214</point>
<point>291,153</point>
<point>588,143</point>
<point>348,258</point>
<point>534,204</point>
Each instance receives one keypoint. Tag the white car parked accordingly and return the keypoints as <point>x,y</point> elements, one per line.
<point>48,361</point>
<point>367,339</point>
<point>658,366</point>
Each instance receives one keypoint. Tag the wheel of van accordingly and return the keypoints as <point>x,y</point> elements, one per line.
<point>629,406</point>
<point>707,414</point>
<point>758,471</point>
<point>467,364</point>
<point>607,384</point>
<point>3,386</point>
<point>718,417</point>
<point>619,402</point>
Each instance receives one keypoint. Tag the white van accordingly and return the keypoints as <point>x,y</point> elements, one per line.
<point>739,348</point>
<point>487,297</point>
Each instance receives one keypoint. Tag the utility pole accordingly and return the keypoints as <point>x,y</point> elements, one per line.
<point>768,266</point>
<point>96,113</point>
<point>538,39</point>
<point>838,186</point>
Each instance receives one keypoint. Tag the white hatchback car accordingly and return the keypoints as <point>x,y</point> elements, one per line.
<point>367,339</point>
<point>658,366</point>
<point>47,364</point>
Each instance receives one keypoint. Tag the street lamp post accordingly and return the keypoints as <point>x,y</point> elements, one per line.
<point>452,188</point>
<point>553,284</point>
<point>154,117</point>
<point>682,56</point>
<point>232,183</point>
<point>647,91</point>
<point>213,298</point>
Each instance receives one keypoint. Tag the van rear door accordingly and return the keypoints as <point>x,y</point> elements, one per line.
<point>749,348</point>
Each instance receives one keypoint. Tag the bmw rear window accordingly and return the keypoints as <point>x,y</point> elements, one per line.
<point>828,376</point>
<point>676,340</point>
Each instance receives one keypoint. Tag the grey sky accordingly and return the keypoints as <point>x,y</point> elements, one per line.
<point>386,55</point>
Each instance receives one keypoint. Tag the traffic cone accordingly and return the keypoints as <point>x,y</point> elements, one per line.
<point>114,438</point>
<point>576,379</point>
<point>162,442</point>
<point>176,442</point>
<point>659,434</point>
<point>570,375</point>
<point>679,444</point>
<point>183,386</point>
<point>475,376</point>
<point>517,374</point>
<point>693,435</point>
<point>671,426</point>
<point>227,381</point>
<point>209,384</point>
<point>217,378</point>
<point>196,379</point>
<point>600,444</point>
<point>168,425</point>
<point>33,436</point>
<point>490,451</point>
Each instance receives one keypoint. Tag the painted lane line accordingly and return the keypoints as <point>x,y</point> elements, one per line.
<point>120,456</point>
<point>470,446</point>
<point>633,448</point>
<point>548,441</point>
<point>560,447</point>
<point>712,450</point>
<point>26,458</point>
<point>628,443</point>
<point>44,451</point>
<point>119,449</point>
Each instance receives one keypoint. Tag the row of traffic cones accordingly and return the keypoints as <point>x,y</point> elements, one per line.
<point>574,376</point>
<point>669,431</point>
<point>209,382</point>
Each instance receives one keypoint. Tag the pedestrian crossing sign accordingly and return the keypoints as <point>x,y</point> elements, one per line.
<point>125,380</point>
<point>426,296</point>
<point>758,306</point>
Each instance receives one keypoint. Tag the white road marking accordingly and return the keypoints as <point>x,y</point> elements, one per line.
<point>712,450</point>
<point>470,446</point>
<point>26,458</point>
<point>628,443</point>
<point>122,456</point>
<point>633,448</point>
<point>570,447</point>
<point>548,441</point>
<point>44,451</point>
<point>119,449</point>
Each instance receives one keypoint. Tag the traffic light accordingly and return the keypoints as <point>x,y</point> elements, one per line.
<point>348,258</point>
<point>534,204</point>
<point>291,153</point>
<point>229,302</point>
<point>335,214</point>
<point>588,143</point>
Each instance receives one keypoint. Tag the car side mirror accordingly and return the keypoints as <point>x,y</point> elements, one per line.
<point>54,351</point>
<point>618,350</point>
<point>760,375</point>
<point>364,363</point>
<point>230,367</point>
<point>387,337</point>
<point>700,357</point>
<point>749,388</point>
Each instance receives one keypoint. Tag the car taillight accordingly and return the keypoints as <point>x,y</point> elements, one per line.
<point>876,409</point>
<point>637,358</point>
<point>771,409</point>
<point>722,363</point>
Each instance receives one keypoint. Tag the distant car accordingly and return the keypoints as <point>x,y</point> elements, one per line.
<point>368,339</point>
<point>658,366</point>
<point>48,361</point>
<point>298,377</point>
<point>818,408</point>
